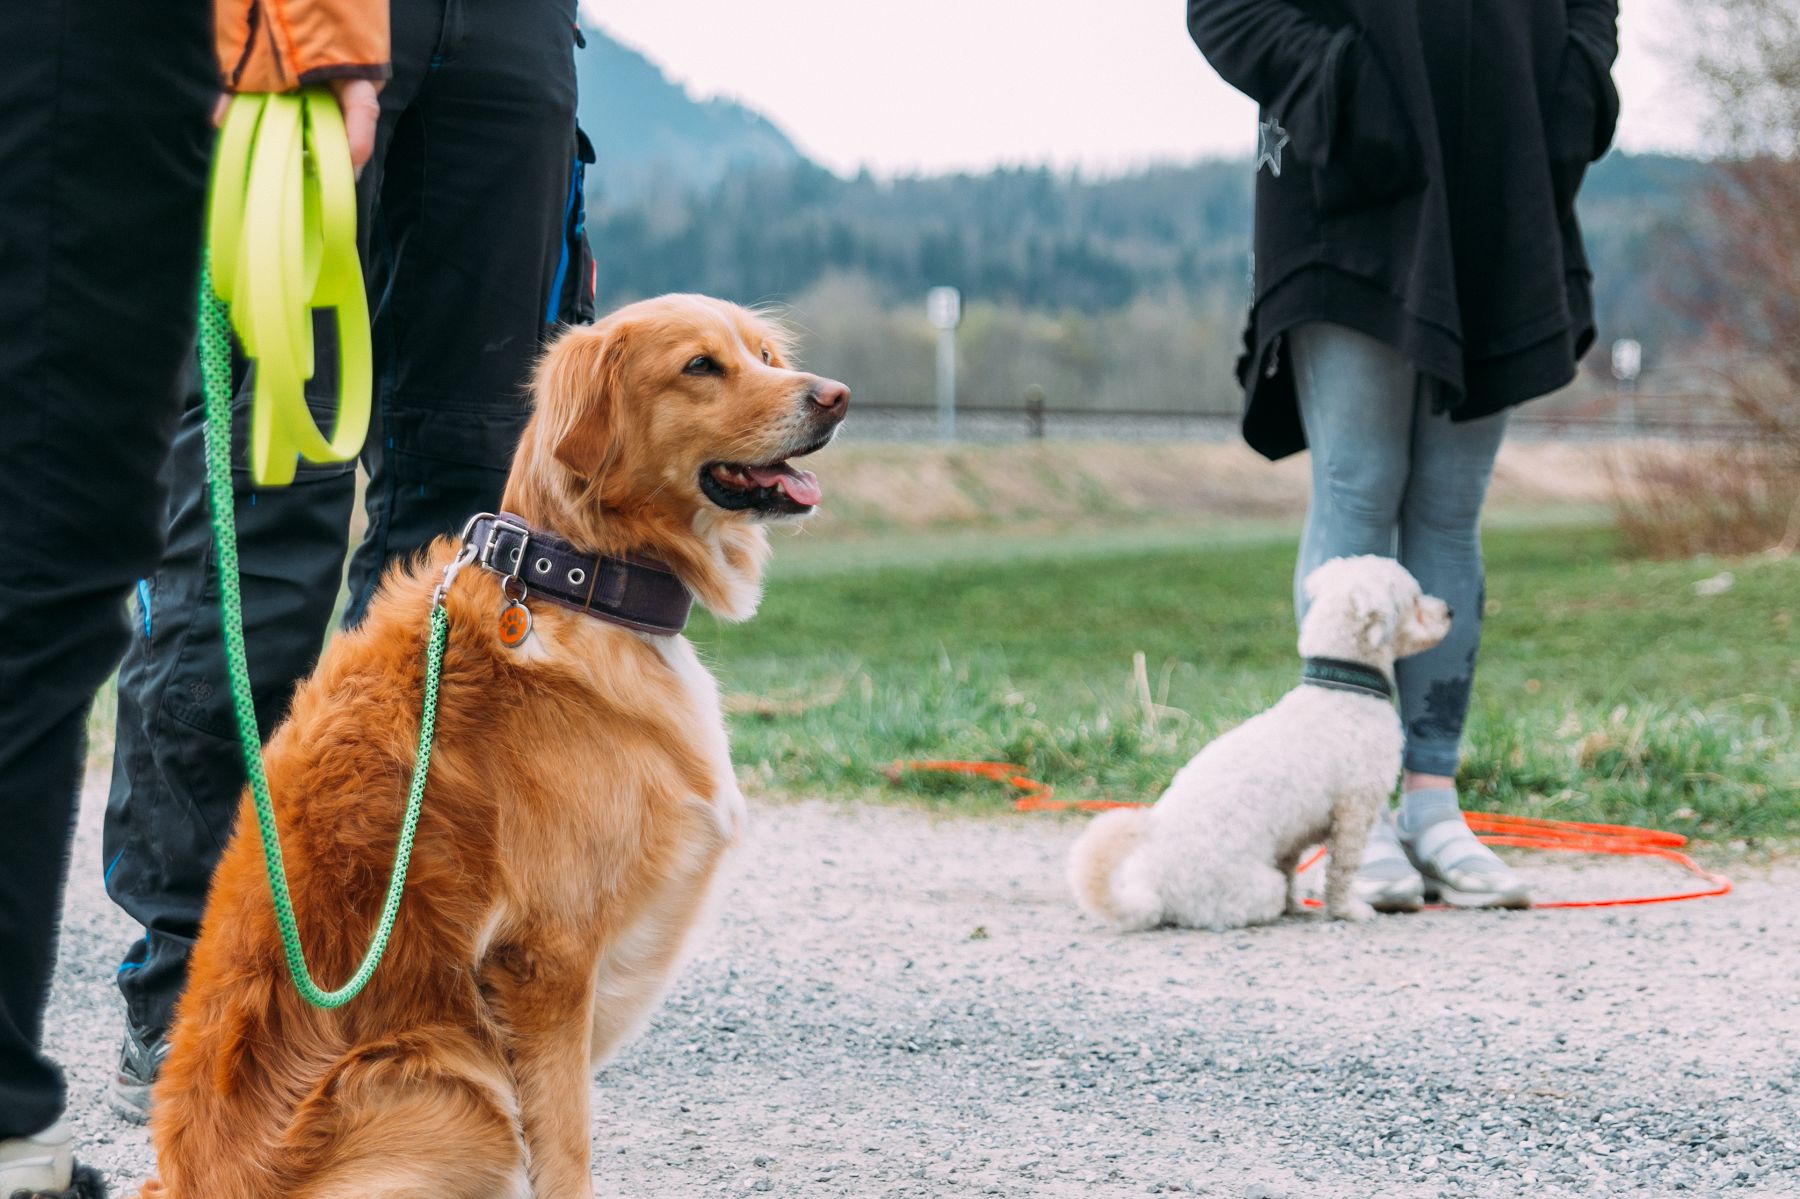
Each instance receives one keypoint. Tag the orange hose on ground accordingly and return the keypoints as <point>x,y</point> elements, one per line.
<point>1493,828</point>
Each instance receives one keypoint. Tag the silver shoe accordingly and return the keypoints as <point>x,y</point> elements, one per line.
<point>37,1164</point>
<point>1387,880</point>
<point>1460,871</point>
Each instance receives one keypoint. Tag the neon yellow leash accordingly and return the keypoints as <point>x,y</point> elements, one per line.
<point>282,233</point>
<point>282,229</point>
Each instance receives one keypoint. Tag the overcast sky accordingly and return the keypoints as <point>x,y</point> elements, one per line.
<point>939,85</point>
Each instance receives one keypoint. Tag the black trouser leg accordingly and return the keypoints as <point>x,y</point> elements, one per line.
<point>479,207</point>
<point>104,138</point>
<point>486,194</point>
<point>177,764</point>
<point>178,770</point>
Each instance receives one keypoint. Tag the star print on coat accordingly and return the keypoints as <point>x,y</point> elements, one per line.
<point>1270,139</point>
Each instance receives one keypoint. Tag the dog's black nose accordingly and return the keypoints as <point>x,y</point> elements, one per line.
<point>1449,612</point>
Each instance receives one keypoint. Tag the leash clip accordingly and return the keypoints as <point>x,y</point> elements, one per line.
<point>462,559</point>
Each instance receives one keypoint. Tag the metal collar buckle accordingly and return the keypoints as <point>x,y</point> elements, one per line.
<point>501,527</point>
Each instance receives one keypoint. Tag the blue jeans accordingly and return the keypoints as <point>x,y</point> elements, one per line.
<point>1391,477</point>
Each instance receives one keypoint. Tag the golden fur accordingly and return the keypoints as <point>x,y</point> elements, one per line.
<point>579,800</point>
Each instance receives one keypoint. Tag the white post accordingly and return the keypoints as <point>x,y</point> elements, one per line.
<point>1627,365</point>
<point>944,307</point>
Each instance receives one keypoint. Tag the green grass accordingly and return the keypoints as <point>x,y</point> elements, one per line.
<point>1607,689</point>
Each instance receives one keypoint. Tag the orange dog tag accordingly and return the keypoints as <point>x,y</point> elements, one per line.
<point>515,625</point>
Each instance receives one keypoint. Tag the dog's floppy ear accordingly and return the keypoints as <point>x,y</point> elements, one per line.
<point>1373,606</point>
<point>580,386</point>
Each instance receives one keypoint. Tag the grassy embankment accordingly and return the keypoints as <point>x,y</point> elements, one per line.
<point>1608,689</point>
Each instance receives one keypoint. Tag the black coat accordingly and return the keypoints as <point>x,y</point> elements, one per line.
<point>1416,180</point>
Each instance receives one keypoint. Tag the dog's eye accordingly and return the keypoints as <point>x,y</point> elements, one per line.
<point>767,357</point>
<point>703,365</point>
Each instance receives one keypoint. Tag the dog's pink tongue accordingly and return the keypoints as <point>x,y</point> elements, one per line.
<point>802,486</point>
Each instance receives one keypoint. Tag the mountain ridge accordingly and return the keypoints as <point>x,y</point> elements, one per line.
<point>653,137</point>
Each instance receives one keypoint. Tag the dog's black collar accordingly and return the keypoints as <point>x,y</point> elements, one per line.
<point>632,591</point>
<point>1341,675</point>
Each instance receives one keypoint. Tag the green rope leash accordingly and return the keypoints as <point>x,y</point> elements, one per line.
<point>215,370</point>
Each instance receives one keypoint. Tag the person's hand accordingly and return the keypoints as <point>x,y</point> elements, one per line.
<point>357,99</point>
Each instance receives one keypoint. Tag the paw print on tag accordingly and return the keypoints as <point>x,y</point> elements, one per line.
<point>515,625</point>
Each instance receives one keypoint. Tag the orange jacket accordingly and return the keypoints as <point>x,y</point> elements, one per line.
<point>279,45</point>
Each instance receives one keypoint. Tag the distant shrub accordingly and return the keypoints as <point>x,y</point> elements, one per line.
<point>1745,293</point>
<point>1675,501</point>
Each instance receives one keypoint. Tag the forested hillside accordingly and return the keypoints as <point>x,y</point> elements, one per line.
<point>1027,236</point>
<point>1040,239</point>
<point>1122,292</point>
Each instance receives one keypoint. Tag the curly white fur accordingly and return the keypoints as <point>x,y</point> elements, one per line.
<point>1218,850</point>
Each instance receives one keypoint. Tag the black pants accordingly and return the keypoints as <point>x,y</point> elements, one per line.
<point>470,220</point>
<point>104,140</point>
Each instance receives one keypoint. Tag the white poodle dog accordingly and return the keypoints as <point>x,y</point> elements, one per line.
<point>1219,849</point>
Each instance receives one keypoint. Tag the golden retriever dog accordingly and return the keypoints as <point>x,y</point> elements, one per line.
<point>579,799</point>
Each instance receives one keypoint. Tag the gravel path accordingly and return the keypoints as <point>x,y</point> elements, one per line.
<point>898,1004</point>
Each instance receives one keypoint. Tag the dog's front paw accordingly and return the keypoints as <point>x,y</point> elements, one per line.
<point>1352,909</point>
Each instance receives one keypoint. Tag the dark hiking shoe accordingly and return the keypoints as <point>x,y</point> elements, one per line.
<point>140,1057</point>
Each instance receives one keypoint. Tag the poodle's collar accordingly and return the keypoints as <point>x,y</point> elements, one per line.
<point>1341,675</point>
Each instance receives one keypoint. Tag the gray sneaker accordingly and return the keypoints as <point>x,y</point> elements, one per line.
<point>1387,880</point>
<point>1459,870</point>
<point>140,1058</point>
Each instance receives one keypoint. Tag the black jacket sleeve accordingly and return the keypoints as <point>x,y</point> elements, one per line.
<point>1260,47</point>
<point>1586,112</point>
<point>1280,57</point>
<point>1325,87</point>
<point>1595,24</point>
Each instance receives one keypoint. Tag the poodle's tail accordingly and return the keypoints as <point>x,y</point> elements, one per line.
<point>1095,873</point>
